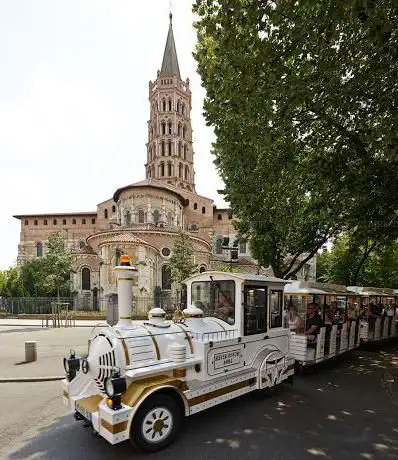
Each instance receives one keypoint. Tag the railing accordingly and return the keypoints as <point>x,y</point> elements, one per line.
<point>215,336</point>
<point>85,304</point>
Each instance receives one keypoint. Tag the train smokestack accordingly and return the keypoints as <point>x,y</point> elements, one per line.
<point>125,273</point>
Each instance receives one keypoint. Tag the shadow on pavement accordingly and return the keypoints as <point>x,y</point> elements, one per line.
<point>335,413</point>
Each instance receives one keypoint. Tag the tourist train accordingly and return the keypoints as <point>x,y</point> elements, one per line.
<point>140,378</point>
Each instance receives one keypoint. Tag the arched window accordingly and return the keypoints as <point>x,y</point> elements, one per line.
<point>179,149</point>
<point>162,169</point>
<point>202,269</point>
<point>164,105</point>
<point>186,173</point>
<point>163,127</point>
<point>179,129</point>
<point>169,149</point>
<point>170,218</point>
<point>153,171</point>
<point>54,221</point>
<point>169,169</point>
<point>170,105</point>
<point>184,131</point>
<point>128,217</point>
<point>74,221</point>
<point>39,249</point>
<point>141,216</point>
<point>105,213</point>
<point>183,108</point>
<point>185,151</point>
<point>156,216</point>
<point>166,277</point>
<point>242,247</point>
<point>150,154</point>
<point>153,151</point>
<point>81,244</point>
<point>195,205</point>
<point>163,148</point>
<point>219,246</point>
<point>180,170</point>
<point>63,221</point>
<point>86,281</point>
<point>169,128</point>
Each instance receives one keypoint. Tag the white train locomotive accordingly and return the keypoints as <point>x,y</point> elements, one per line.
<point>141,378</point>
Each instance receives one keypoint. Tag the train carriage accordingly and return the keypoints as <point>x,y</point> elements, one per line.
<point>323,319</point>
<point>141,378</point>
<point>378,312</point>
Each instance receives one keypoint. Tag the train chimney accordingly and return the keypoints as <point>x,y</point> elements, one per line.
<point>125,273</point>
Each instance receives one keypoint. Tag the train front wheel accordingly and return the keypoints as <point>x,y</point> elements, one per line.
<point>157,423</point>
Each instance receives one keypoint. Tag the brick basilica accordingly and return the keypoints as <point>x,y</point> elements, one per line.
<point>143,219</point>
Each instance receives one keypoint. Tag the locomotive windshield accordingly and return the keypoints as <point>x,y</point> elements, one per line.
<point>215,298</point>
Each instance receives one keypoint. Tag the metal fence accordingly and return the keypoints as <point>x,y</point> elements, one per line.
<point>84,303</point>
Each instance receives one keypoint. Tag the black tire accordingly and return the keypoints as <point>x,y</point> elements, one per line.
<point>167,411</point>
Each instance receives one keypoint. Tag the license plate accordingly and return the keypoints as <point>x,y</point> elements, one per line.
<point>84,412</point>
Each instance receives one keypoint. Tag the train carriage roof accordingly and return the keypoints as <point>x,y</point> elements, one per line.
<point>373,291</point>
<point>243,277</point>
<point>308,287</point>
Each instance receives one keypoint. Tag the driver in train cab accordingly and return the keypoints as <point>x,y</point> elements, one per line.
<point>225,310</point>
<point>314,320</point>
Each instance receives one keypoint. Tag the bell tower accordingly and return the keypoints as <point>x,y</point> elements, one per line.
<point>169,147</point>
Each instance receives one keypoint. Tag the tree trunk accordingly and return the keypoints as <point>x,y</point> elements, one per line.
<point>368,250</point>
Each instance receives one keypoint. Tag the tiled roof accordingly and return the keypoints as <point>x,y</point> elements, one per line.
<point>150,183</point>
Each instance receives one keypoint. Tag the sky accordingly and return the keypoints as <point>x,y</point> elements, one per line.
<point>74,103</point>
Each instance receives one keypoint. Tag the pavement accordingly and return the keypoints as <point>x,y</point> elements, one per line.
<point>52,345</point>
<point>340,410</point>
<point>38,322</point>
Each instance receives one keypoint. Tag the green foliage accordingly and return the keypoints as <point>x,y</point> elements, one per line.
<point>49,275</point>
<point>303,99</point>
<point>11,284</point>
<point>227,268</point>
<point>365,265</point>
<point>181,262</point>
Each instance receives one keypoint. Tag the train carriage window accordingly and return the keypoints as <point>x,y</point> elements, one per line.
<point>255,310</point>
<point>276,308</point>
<point>215,298</point>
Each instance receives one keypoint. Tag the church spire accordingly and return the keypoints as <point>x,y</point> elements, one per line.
<point>170,61</point>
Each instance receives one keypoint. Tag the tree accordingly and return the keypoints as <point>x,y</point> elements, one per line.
<point>348,264</point>
<point>49,275</point>
<point>181,262</point>
<point>11,284</point>
<point>303,100</point>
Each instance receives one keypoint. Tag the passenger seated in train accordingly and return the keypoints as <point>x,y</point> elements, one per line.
<point>292,319</point>
<point>314,321</point>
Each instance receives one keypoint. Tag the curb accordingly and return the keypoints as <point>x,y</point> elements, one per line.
<point>31,379</point>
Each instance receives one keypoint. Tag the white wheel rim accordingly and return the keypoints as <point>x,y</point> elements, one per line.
<point>157,425</point>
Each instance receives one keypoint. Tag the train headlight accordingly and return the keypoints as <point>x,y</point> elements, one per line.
<point>71,366</point>
<point>115,386</point>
